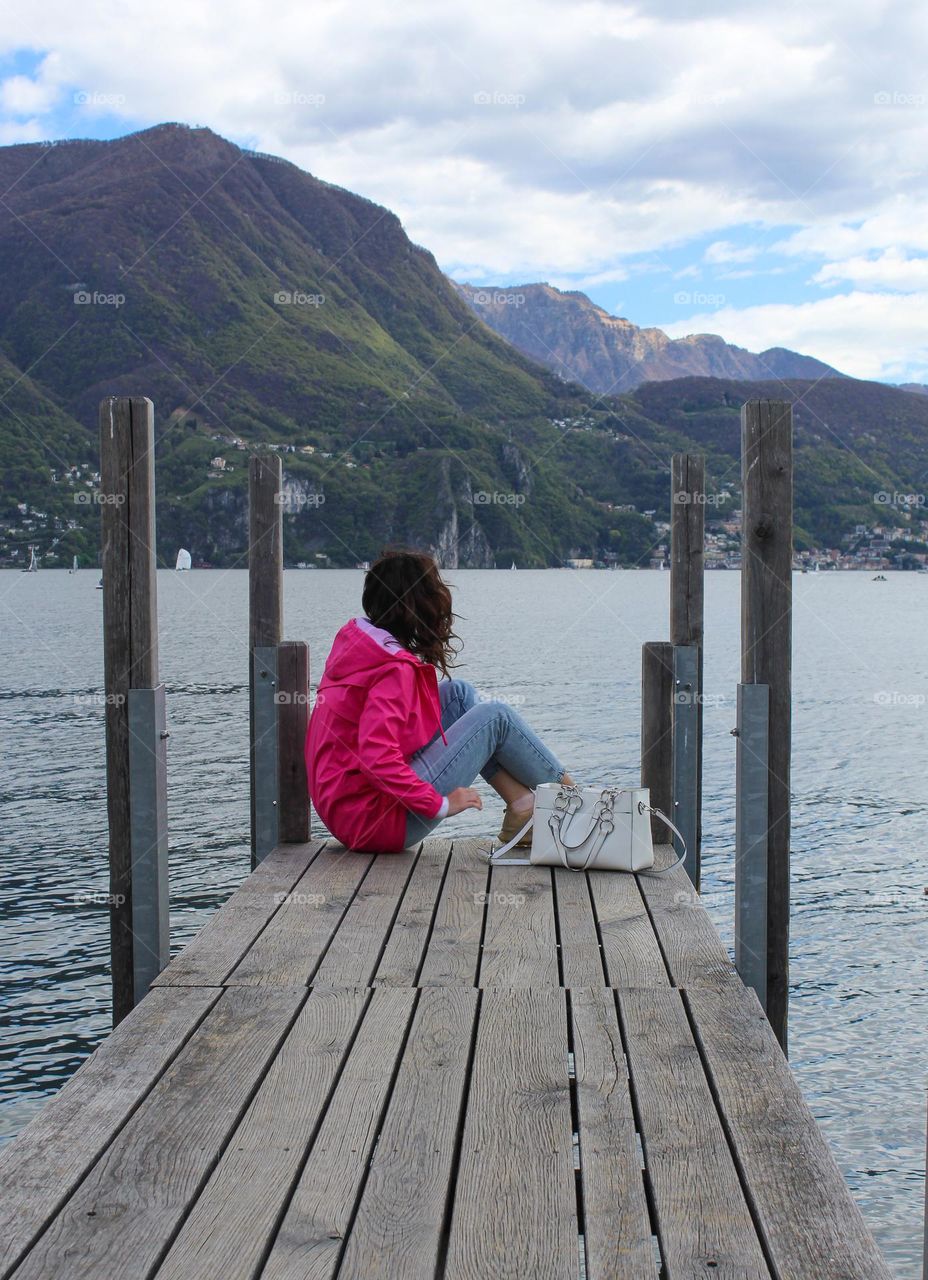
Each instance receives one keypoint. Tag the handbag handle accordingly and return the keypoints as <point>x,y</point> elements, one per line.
<point>600,820</point>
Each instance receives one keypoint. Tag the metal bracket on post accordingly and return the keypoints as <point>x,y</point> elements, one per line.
<point>265,760</point>
<point>685,749</point>
<point>751,772</point>
<point>148,836</point>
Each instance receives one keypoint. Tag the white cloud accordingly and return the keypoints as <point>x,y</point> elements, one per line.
<point>890,270</point>
<point>611,130</point>
<point>869,335</point>
<point>722,251</point>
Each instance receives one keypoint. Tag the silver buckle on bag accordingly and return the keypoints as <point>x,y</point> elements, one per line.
<point>568,800</point>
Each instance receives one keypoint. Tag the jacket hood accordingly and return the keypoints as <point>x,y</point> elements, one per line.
<point>359,650</point>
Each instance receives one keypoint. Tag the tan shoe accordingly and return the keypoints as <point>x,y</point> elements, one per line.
<point>512,824</point>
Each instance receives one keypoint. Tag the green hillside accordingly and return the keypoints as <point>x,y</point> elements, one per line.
<point>259,307</point>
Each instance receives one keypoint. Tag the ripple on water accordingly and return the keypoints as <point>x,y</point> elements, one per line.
<point>860,819</point>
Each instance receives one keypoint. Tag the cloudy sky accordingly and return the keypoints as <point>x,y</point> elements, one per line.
<point>757,171</point>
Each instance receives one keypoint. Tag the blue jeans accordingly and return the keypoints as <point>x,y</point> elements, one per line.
<point>482,737</point>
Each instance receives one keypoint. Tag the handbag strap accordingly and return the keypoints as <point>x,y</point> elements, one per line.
<point>646,808</point>
<point>494,857</point>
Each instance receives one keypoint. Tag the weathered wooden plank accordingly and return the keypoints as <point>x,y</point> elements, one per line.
<point>703,1222</point>
<point>692,950</point>
<point>122,1216</point>
<point>515,1210</point>
<point>398,1227</point>
<point>225,938</point>
<point>631,955</point>
<point>230,1227</point>
<point>309,1242</point>
<point>454,946</point>
<point>355,949</point>
<point>581,958</point>
<point>288,951</point>
<point>42,1166</point>
<point>809,1219</point>
<point>520,941</point>
<point>402,957</point>
<point>617,1227</point>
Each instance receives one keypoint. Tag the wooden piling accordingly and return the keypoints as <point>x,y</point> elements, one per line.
<point>687,594</point>
<point>130,646</point>
<point>766,637</point>
<point>265,584</point>
<point>657,730</point>
<point>292,722</point>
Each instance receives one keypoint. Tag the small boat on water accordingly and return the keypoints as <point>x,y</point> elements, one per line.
<point>33,565</point>
<point>184,561</point>
<point>879,578</point>
<point>513,565</point>
<point>100,585</point>
<point>74,567</point>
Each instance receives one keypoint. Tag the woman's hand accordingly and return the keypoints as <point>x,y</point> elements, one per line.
<point>462,798</point>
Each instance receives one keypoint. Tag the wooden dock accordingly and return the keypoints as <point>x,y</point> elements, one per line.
<point>410,1066</point>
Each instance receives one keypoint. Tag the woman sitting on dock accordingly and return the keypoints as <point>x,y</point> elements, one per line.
<point>391,749</point>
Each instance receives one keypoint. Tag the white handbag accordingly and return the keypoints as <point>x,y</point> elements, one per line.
<point>590,828</point>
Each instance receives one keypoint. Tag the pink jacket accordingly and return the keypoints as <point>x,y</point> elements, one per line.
<point>376,706</point>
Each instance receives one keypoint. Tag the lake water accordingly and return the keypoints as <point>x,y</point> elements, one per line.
<point>565,647</point>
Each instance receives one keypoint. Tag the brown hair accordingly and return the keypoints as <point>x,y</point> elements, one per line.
<point>404,593</point>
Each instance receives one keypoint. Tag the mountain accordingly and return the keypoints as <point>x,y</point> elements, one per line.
<point>260,307</point>
<point>918,388</point>
<point>583,343</point>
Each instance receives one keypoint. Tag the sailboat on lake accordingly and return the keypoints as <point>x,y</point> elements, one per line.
<point>74,567</point>
<point>33,565</point>
<point>183,561</point>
